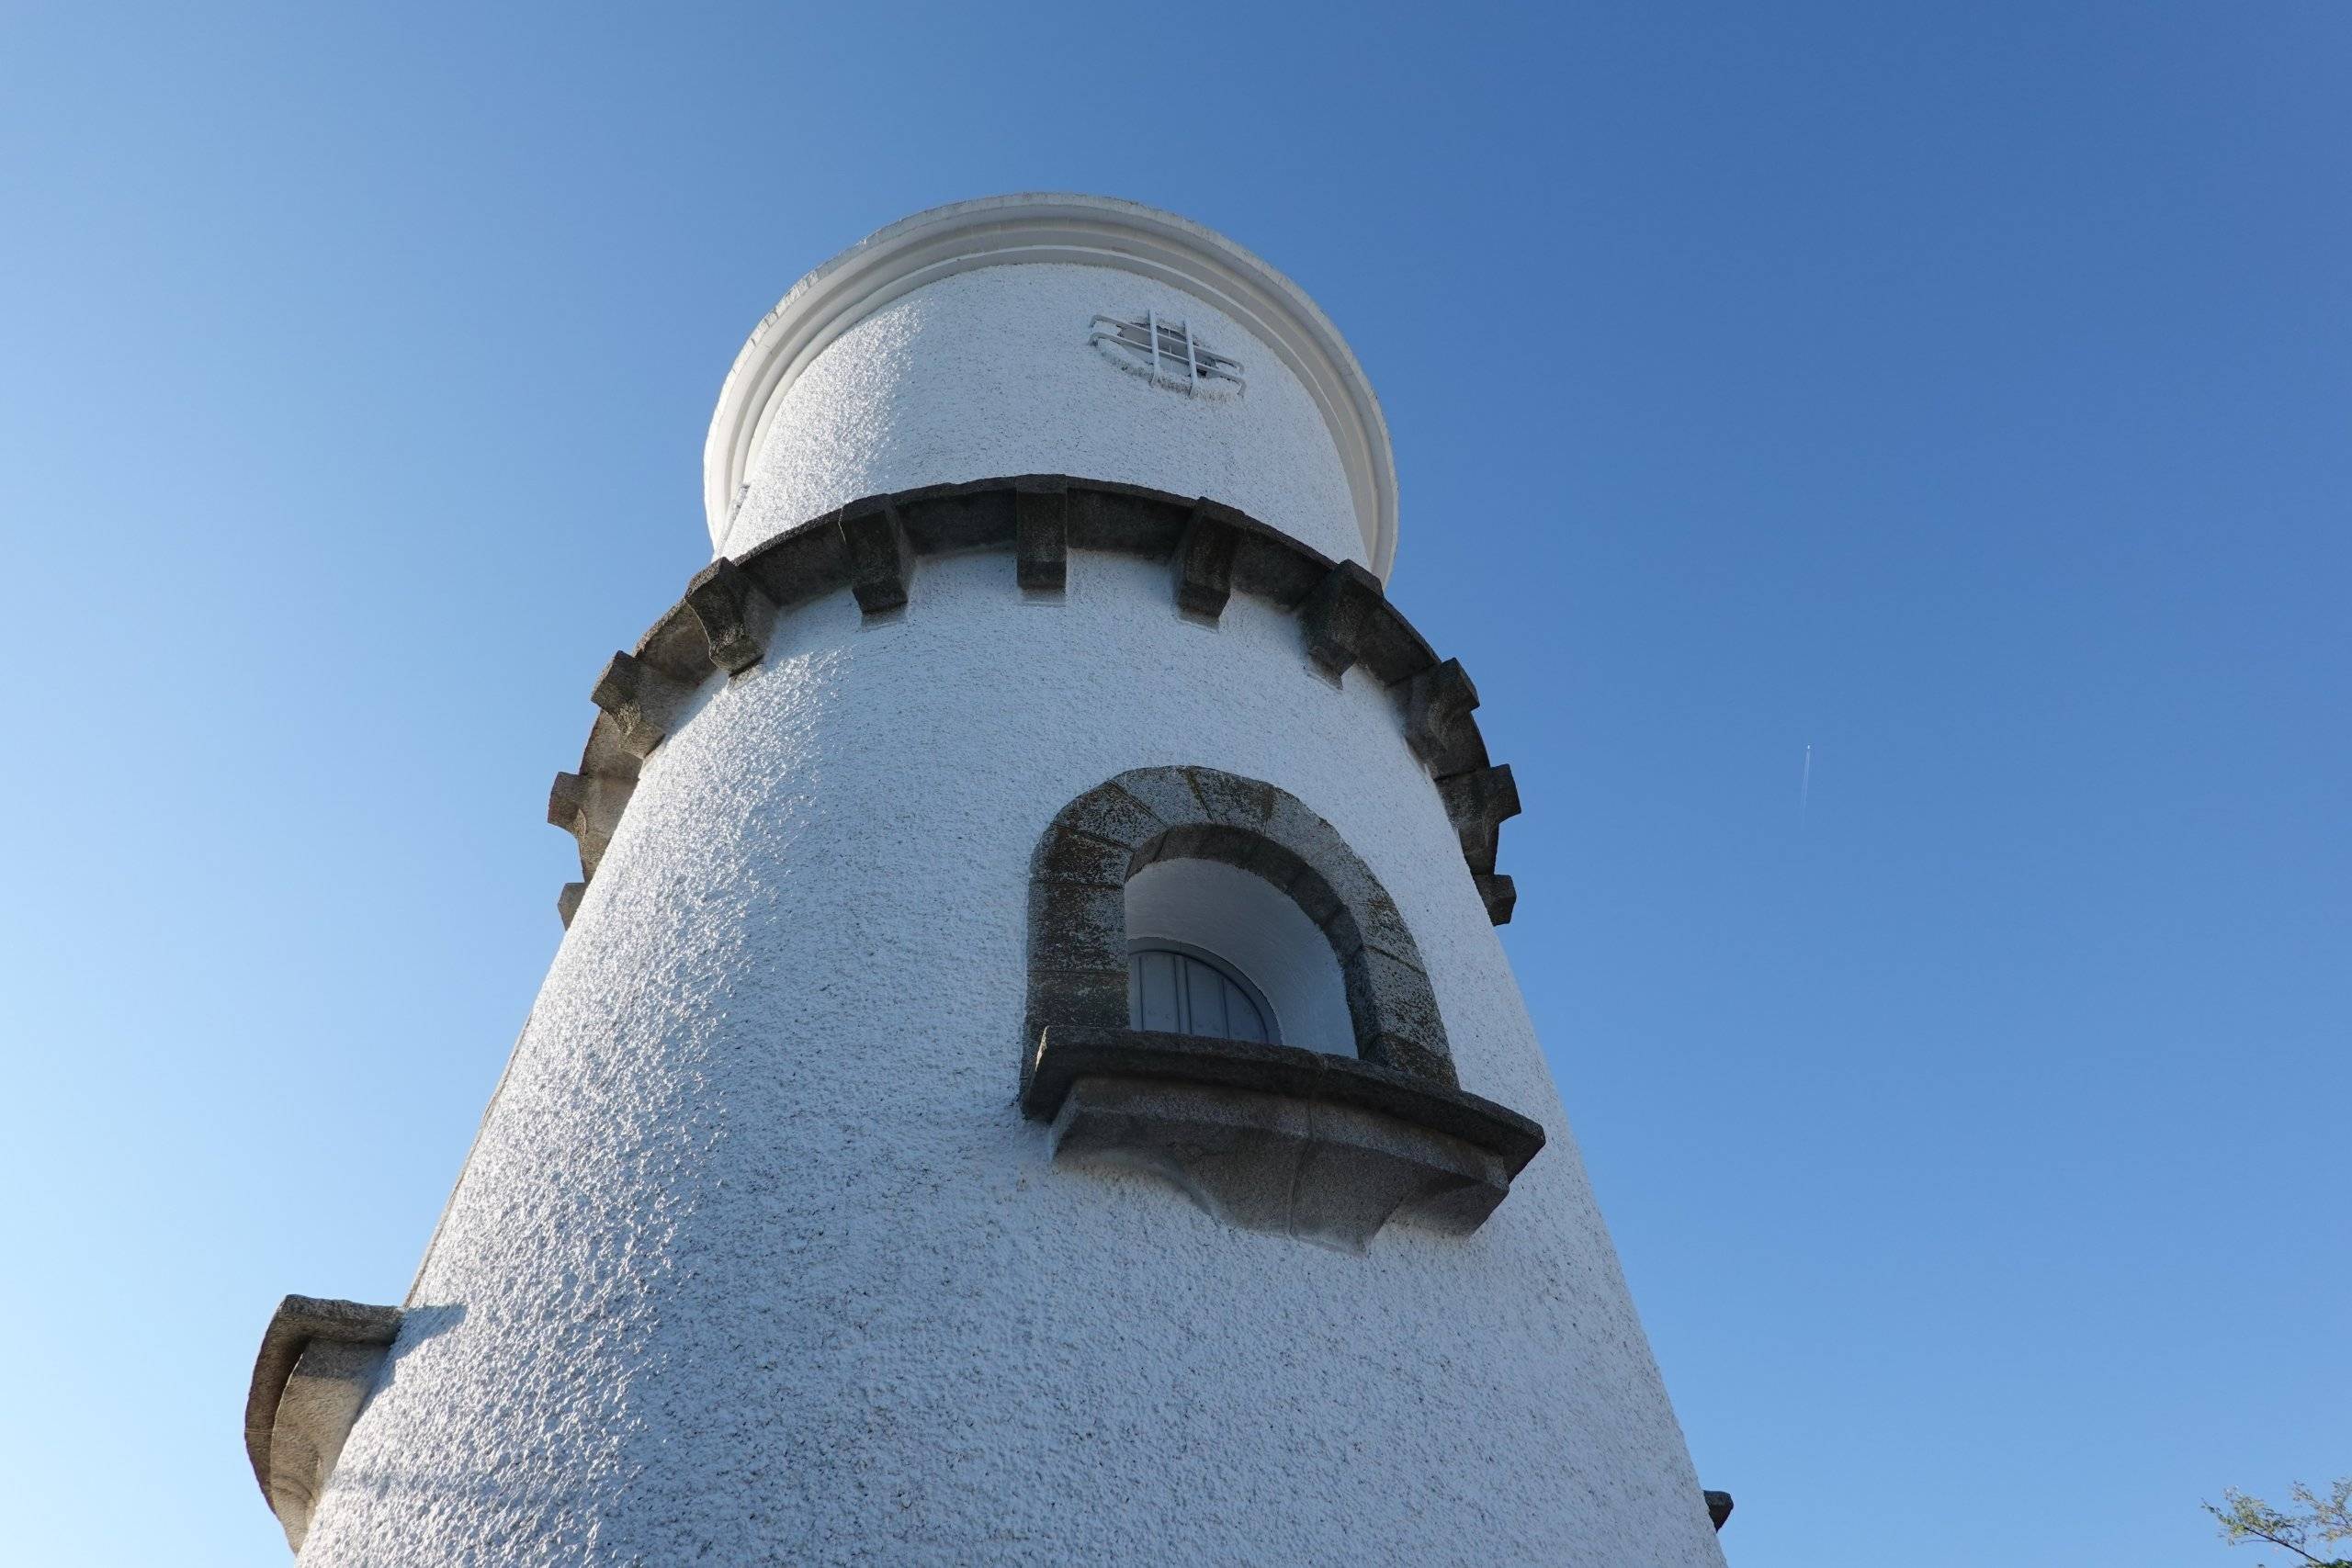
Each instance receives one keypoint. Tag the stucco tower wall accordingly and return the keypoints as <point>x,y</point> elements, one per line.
<point>951,346</point>
<point>756,1259</point>
<point>756,1254</point>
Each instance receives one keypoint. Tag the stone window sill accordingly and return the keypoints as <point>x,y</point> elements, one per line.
<point>1325,1148</point>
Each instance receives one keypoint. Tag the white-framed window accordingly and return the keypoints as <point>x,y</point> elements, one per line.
<point>1177,988</point>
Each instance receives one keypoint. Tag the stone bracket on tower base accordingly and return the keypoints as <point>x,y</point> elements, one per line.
<point>1325,1149</point>
<point>318,1362</point>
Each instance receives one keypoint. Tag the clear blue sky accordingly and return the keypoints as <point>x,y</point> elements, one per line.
<point>1961,390</point>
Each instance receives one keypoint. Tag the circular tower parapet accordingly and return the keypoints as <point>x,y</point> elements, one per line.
<point>1052,333</point>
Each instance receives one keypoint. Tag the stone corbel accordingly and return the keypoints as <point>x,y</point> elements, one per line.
<point>318,1362</point>
<point>1498,893</point>
<point>1437,725</point>
<point>589,808</point>
<point>1478,803</point>
<point>1333,619</point>
<point>880,561</point>
<point>1204,560</point>
<point>1325,1149</point>
<point>644,704</point>
<point>1041,536</point>
<point>735,613</point>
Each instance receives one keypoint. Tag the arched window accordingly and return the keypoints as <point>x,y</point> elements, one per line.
<point>1159,904</point>
<point>1178,989</point>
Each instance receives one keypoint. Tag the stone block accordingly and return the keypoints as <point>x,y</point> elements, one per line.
<point>1394,996</point>
<point>1271,1138</point>
<point>1406,1055</point>
<point>946,519</point>
<point>1127,519</point>
<point>1232,1152</point>
<point>1500,894</point>
<point>644,703</point>
<point>318,1360</point>
<point>1477,803</point>
<point>1167,793</point>
<point>881,563</point>
<point>1073,926</point>
<point>805,563</point>
<point>1274,566</point>
<point>1075,998</point>
<point>1333,619</point>
<point>588,807</point>
<point>1387,644</point>
<point>1437,725</point>
<point>1204,560</point>
<point>1314,895</point>
<point>674,645</point>
<point>1382,925</point>
<point>1041,535</point>
<point>1068,855</point>
<point>1271,861</point>
<point>1230,800</point>
<point>1108,811</point>
<point>735,613</point>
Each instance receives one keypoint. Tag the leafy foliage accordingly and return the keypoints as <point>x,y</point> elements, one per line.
<point>2313,1521</point>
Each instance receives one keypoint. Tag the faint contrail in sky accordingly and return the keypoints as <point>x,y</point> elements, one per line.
<point>1805,786</point>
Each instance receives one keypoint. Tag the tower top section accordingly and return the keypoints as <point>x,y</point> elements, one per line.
<point>1249,311</point>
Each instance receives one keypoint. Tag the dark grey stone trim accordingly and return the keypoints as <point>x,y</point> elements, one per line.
<point>644,702</point>
<point>328,1352</point>
<point>1437,725</point>
<point>1498,893</point>
<point>807,563</point>
<point>1126,520</point>
<point>1078,938</point>
<point>1274,1138</point>
<point>1477,803</point>
<point>1334,618</point>
<point>1063,1055</point>
<point>1718,1507</point>
<point>735,613</point>
<point>1204,560</point>
<point>880,561</point>
<point>1041,535</point>
<point>567,902</point>
<point>869,547</point>
<point>588,807</point>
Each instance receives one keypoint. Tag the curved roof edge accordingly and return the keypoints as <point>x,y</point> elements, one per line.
<point>1051,227</point>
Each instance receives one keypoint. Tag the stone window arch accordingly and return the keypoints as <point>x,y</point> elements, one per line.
<point>1079,969</point>
<point>1316,1144</point>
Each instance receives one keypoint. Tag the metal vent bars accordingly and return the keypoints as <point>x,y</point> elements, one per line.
<point>1166,351</point>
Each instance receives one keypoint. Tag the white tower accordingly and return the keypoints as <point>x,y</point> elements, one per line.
<point>1030,1075</point>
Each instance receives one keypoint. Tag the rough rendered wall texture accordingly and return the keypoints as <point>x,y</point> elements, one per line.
<point>988,372</point>
<point>757,1262</point>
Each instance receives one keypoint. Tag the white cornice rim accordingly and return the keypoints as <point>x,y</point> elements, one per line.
<point>1055,227</point>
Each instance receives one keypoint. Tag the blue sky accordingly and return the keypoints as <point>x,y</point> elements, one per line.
<point>1960,391</point>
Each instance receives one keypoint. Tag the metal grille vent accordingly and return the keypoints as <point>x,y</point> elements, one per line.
<point>1167,352</point>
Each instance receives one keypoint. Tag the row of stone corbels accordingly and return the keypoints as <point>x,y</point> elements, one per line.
<point>871,548</point>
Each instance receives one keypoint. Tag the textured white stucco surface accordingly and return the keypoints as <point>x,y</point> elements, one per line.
<point>756,1262</point>
<point>988,372</point>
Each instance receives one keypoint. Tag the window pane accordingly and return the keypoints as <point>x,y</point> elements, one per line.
<point>1157,1004</point>
<point>1205,992</point>
<point>1180,994</point>
<point>1241,1019</point>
